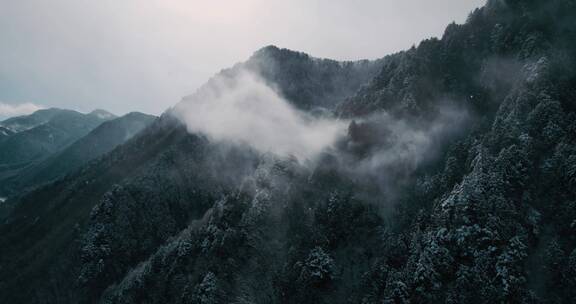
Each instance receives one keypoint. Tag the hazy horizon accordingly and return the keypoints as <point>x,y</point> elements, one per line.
<point>124,56</point>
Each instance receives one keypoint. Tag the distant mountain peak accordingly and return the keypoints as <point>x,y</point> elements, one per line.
<point>269,48</point>
<point>26,122</point>
<point>276,52</point>
<point>102,114</point>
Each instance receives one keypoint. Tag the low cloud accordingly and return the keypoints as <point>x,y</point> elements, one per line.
<point>382,152</point>
<point>242,108</point>
<point>399,141</point>
<point>9,110</point>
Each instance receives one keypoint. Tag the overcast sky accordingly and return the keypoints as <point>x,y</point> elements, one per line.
<point>144,55</point>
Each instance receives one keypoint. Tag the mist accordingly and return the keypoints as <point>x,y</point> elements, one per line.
<point>243,109</point>
<point>381,153</point>
<point>9,110</point>
<point>409,142</point>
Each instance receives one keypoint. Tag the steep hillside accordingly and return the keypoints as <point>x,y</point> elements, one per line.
<point>475,63</point>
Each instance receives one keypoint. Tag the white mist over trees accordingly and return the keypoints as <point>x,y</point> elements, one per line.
<point>244,109</point>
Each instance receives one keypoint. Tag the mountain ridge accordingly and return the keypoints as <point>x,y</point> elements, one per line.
<point>43,133</point>
<point>99,141</point>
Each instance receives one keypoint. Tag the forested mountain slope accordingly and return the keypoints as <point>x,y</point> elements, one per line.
<point>99,141</point>
<point>26,122</point>
<point>44,132</point>
<point>410,206</point>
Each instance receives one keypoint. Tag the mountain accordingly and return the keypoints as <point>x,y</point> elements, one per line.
<point>44,133</point>
<point>102,114</point>
<point>309,83</point>
<point>175,166</point>
<point>25,122</point>
<point>98,142</point>
<point>412,205</point>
